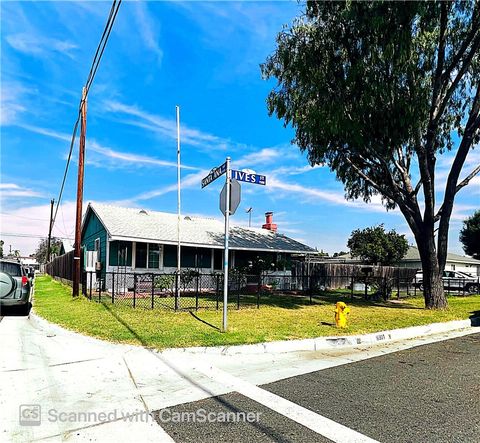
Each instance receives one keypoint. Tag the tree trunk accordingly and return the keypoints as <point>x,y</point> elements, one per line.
<point>432,276</point>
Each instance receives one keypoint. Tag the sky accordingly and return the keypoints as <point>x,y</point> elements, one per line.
<point>201,56</point>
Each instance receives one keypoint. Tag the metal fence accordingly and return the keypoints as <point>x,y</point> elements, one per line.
<point>193,291</point>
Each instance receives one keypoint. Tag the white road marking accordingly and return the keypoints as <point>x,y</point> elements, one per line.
<point>311,420</point>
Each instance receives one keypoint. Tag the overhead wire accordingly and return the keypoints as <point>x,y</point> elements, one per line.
<point>91,76</point>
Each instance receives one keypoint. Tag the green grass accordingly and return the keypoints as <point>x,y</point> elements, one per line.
<point>279,318</point>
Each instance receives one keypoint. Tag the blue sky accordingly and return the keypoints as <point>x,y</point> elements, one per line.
<point>202,56</point>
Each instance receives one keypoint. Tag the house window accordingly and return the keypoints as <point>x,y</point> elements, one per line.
<point>97,248</point>
<point>120,253</point>
<point>453,267</point>
<point>170,256</point>
<point>141,255</point>
<point>153,256</point>
<point>218,259</point>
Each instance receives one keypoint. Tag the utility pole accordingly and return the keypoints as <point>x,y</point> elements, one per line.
<point>78,219</point>
<point>52,201</point>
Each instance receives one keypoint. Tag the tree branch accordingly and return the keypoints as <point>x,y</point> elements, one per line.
<point>461,185</point>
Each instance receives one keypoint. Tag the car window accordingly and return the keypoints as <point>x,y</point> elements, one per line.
<point>11,268</point>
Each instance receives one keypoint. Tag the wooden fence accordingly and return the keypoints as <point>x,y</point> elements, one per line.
<point>61,267</point>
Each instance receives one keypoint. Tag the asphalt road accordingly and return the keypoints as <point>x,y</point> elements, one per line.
<point>429,393</point>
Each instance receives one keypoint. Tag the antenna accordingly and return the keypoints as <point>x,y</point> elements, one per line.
<point>249,212</point>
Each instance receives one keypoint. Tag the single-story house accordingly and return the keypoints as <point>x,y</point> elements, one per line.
<point>136,240</point>
<point>455,262</point>
<point>66,246</point>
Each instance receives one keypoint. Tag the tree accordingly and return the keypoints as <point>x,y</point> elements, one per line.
<point>41,251</point>
<point>470,235</point>
<point>378,91</point>
<point>338,254</point>
<point>377,247</point>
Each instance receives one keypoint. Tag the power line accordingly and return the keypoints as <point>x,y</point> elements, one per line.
<point>11,234</point>
<point>91,76</point>
<point>21,216</point>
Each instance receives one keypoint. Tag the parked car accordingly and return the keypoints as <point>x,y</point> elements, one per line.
<point>454,280</point>
<point>14,286</point>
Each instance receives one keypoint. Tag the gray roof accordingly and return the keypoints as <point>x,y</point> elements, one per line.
<point>413,255</point>
<point>161,227</point>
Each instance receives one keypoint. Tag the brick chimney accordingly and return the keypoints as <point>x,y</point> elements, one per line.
<point>269,222</point>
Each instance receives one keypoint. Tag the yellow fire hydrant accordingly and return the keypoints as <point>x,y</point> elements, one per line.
<point>341,312</point>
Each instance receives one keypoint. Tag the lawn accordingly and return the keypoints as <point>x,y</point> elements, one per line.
<point>279,318</point>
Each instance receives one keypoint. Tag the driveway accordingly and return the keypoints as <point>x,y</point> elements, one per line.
<point>57,385</point>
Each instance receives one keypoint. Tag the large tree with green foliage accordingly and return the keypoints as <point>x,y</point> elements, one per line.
<point>470,235</point>
<point>41,251</point>
<point>378,247</point>
<point>377,91</point>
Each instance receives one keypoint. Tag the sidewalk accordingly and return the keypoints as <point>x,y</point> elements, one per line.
<point>43,364</point>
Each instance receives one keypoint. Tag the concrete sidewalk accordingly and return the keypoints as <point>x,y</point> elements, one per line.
<point>64,372</point>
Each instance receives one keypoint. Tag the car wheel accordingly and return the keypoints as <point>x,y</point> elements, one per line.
<point>473,289</point>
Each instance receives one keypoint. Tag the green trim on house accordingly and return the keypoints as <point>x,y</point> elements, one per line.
<point>93,229</point>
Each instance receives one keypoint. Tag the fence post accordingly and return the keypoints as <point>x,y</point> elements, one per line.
<point>134,289</point>
<point>153,290</point>
<point>217,280</point>
<point>398,285</point>
<point>100,288</point>
<point>351,288</point>
<point>196,292</point>
<point>463,288</point>
<point>91,274</point>
<point>238,293</point>
<point>366,287</point>
<point>113,288</point>
<point>415,286</point>
<point>177,278</point>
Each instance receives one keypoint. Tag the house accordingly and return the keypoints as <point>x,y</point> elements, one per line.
<point>136,240</point>
<point>455,262</point>
<point>66,246</point>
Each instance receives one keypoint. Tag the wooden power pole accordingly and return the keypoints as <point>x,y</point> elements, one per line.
<point>78,219</point>
<point>52,201</point>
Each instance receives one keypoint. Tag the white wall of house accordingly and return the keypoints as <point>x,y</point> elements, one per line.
<point>450,266</point>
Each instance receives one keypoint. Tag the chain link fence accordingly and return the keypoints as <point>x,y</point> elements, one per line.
<point>192,290</point>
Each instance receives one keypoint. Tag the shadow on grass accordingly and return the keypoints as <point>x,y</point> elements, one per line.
<point>204,322</point>
<point>288,301</point>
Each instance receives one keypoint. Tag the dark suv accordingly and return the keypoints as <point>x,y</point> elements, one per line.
<point>14,287</point>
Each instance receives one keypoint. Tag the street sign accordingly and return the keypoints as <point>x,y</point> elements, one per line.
<point>235,196</point>
<point>214,174</point>
<point>249,177</point>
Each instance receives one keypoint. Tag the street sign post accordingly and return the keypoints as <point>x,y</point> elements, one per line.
<point>229,202</point>
<point>247,177</point>
<point>214,174</point>
<point>227,233</point>
<point>235,196</point>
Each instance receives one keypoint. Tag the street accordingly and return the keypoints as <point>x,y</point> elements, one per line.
<point>58,384</point>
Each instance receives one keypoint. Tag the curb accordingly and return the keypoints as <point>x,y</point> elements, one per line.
<point>278,347</point>
<point>329,343</point>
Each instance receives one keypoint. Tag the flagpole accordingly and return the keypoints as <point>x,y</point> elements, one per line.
<point>177,108</point>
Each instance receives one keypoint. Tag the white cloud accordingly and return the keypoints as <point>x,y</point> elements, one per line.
<point>40,46</point>
<point>148,30</point>
<point>166,127</point>
<point>31,222</point>
<point>11,190</point>
<point>119,158</point>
